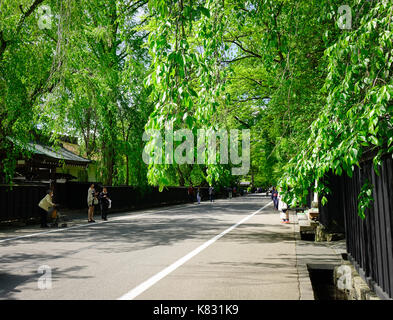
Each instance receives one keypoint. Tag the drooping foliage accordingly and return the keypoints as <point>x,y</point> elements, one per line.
<point>357,114</point>
<point>316,96</point>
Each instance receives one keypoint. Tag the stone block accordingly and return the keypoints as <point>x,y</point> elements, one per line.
<point>321,234</point>
<point>360,288</point>
<point>371,296</point>
<point>306,225</point>
<point>302,216</point>
<point>313,213</point>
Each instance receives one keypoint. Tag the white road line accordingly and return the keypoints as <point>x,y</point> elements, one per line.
<point>162,274</point>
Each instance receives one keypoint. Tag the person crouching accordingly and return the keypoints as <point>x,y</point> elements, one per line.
<point>47,206</point>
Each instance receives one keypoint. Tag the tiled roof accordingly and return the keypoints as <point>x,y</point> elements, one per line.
<point>59,153</point>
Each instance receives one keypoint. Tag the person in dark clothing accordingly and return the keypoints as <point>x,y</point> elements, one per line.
<point>190,192</point>
<point>229,189</point>
<point>104,203</point>
<point>275,198</point>
<point>211,193</point>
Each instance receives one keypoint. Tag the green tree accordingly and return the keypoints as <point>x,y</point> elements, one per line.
<point>30,64</point>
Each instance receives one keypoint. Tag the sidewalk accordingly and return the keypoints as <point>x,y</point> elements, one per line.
<point>316,255</point>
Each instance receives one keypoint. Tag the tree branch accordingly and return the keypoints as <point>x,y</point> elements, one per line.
<point>242,122</point>
<point>26,14</point>
<point>251,98</point>
<point>3,43</point>
<point>237,59</point>
<point>244,49</point>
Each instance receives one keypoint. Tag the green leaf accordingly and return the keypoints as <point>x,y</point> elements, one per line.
<point>192,92</point>
<point>204,11</point>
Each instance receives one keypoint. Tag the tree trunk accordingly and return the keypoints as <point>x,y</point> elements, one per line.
<point>181,177</point>
<point>127,171</point>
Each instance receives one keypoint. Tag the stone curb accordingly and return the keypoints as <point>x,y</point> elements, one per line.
<point>305,287</point>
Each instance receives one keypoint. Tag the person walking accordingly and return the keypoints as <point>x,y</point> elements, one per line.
<point>104,203</point>
<point>230,192</point>
<point>211,194</point>
<point>91,202</point>
<point>47,206</point>
<point>274,197</point>
<point>199,196</point>
<point>283,208</point>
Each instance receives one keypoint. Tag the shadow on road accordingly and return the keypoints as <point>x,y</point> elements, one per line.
<point>9,281</point>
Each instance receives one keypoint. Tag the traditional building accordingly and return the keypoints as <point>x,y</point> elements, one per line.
<point>54,164</point>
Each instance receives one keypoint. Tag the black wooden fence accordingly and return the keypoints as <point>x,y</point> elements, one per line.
<point>309,198</point>
<point>73,195</point>
<point>21,202</point>
<point>369,241</point>
<point>331,215</point>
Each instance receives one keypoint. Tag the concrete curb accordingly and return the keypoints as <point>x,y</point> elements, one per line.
<point>305,287</point>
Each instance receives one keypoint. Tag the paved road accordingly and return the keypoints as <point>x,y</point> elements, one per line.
<point>231,249</point>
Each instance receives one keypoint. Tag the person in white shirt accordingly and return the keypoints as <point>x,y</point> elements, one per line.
<point>283,208</point>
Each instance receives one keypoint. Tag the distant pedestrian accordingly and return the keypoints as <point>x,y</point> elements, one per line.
<point>47,206</point>
<point>283,208</point>
<point>104,203</point>
<point>190,193</point>
<point>230,192</point>
<point>199,196</point>
<point>211,194</point>
<point>92,201</point>
<point>274,197</point>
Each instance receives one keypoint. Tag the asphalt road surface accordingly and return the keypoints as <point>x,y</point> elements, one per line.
<point>229,249</point>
